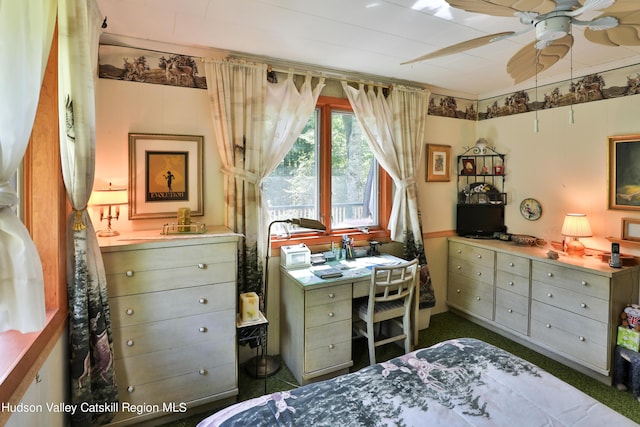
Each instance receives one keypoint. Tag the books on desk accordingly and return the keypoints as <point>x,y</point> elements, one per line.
<point>326,271</point>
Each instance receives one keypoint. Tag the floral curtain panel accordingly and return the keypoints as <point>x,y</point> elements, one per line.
<point>26,31</point>
<point>91,369</point>
<point>395,126</point>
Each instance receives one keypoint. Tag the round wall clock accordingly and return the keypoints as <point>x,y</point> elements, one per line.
<point>530,209</point>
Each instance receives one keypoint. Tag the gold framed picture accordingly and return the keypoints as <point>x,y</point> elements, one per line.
<point>438,162</point>
<point>165,174</point>
<point>631,229</point>
<point>624,186</point>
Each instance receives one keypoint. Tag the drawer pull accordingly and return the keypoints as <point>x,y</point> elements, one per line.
<point>459,267</point>
<point>550,274</point>
<point>331,314</point>
<point>511,264</point>
<point>202,266</point>
<point>511,283</point>
<point>581,338</point>
<point>332,295</point>
<point>203,372</point>
<point>583,305</point>
<point>331,346</point>
<point>479,256</point>
<point>477,298</point>
<point>548,325</point>
<point>550,295</point>
<point>131,389</point>
<point>459,251</point>
<point>479,273</point>
<point>202,329</point>
<point>129,311</point>
<point>130,343</point>
<point>458,291</point>
<point>202,301</point>
<point>510,310</point>
<point>129,273</point>
<point>584,283</point>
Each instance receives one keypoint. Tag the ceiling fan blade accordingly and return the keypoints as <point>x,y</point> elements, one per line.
<point>618,6</point>
<point>504,7</point>
<point>461,47</point>
<point>588,5</point>
<point>523,65</point>
<point>627,33</point>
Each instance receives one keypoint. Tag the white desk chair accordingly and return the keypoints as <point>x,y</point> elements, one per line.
<point>390,298</point>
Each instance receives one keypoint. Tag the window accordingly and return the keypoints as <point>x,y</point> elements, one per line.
<point>330,174</point>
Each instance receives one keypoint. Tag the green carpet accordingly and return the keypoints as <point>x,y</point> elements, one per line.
<point>445,326</point>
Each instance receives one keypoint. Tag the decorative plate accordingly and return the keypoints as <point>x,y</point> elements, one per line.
<point>530,209</point>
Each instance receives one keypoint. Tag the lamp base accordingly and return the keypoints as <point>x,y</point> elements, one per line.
<point>262,366</point>
<point>575,248</point>
<point>110,232</point>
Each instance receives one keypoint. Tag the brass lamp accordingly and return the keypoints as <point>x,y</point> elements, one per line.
<point>265,366</point>
<point>575,226</point>
<point>109,197</point>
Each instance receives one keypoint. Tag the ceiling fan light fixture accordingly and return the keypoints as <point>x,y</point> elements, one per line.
<point>553,28</point>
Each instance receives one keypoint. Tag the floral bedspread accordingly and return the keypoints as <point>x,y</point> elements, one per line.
<point>461,382</point>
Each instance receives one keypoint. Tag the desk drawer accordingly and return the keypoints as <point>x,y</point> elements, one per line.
<point>328,295</point>
<point>327,313</point>
<point>328,352</point>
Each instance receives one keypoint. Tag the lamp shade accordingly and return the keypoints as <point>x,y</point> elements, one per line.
<point>576,225</point>
<point>108,197</point>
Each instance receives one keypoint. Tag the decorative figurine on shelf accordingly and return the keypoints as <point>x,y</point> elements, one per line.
<point>485,170</point>
<point>469,167</point>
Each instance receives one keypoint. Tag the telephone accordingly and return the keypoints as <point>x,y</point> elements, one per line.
<point>615,256</point>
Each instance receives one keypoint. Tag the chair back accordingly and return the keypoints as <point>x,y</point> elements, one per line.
<point>393,283</point>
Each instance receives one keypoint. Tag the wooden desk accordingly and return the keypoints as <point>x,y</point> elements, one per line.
<point>316,317</point>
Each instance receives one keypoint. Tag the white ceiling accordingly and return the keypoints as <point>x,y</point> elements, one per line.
<point>363,36</point>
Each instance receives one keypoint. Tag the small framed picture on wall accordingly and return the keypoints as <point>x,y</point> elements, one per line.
<point>438,162</point>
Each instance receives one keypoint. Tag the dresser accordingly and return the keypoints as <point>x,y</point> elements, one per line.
<point>173,311</point>
<point>567,309</point>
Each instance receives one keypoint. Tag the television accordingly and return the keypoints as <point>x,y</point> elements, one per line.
<point>480,220</point>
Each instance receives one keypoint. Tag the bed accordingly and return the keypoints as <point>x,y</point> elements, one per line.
<point>460,382</point>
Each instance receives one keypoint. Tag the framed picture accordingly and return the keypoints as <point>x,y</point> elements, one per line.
<point>468,166</point>
<point>438,162</point>
<point>165,174</point>
<point>631,229</point>
<point>624,170</point>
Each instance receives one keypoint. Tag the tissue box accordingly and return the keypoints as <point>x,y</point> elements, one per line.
<point>249,307</point>
<point>628,338</point>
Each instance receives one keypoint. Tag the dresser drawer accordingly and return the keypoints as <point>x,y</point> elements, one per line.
<point>513,264</point>
<point>219,326</point>
<point>574,302</point>
<point>172,362</point>
<point>154,306</point>
<point>327,313</point>
<point>512,310</point>
<point>582,338</point>
<point>476,272</point>
<point>571,279</point>
<point>327,295</point>
<point>475,298</point>
<point>472,254</point>
<point>207,381</point>
<point>512,282</point>
<point>163,258</point>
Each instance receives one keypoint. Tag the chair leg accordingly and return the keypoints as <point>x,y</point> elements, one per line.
<point>371,338</point>
<point>406,324</point>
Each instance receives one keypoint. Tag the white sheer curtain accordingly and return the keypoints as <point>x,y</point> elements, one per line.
<point>26,31</point>
<point>395,128</point>
<point>91,364</point>
<point>287,111</point>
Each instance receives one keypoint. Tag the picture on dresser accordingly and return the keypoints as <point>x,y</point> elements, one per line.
<point>165,174</point>
<point>624,172</point>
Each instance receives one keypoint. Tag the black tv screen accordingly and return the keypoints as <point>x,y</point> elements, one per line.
<point>480,220</point>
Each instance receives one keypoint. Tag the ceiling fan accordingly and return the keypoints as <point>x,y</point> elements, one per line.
<point>618,25</point>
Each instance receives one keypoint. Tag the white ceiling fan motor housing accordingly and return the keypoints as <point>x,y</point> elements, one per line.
<point>553,28</point>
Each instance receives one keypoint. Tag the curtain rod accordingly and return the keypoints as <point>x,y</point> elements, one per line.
<point>321,75</point>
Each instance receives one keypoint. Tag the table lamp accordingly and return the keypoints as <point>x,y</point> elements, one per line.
<point>109,197</point>
<point>575,226</point>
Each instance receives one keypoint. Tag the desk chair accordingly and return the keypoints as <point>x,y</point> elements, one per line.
<point>390,297</point>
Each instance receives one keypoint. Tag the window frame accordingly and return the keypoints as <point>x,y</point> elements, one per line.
<point>24,354</point>
<point>385,187</point>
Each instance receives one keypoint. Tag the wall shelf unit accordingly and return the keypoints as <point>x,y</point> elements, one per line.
<point>481,176</point>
